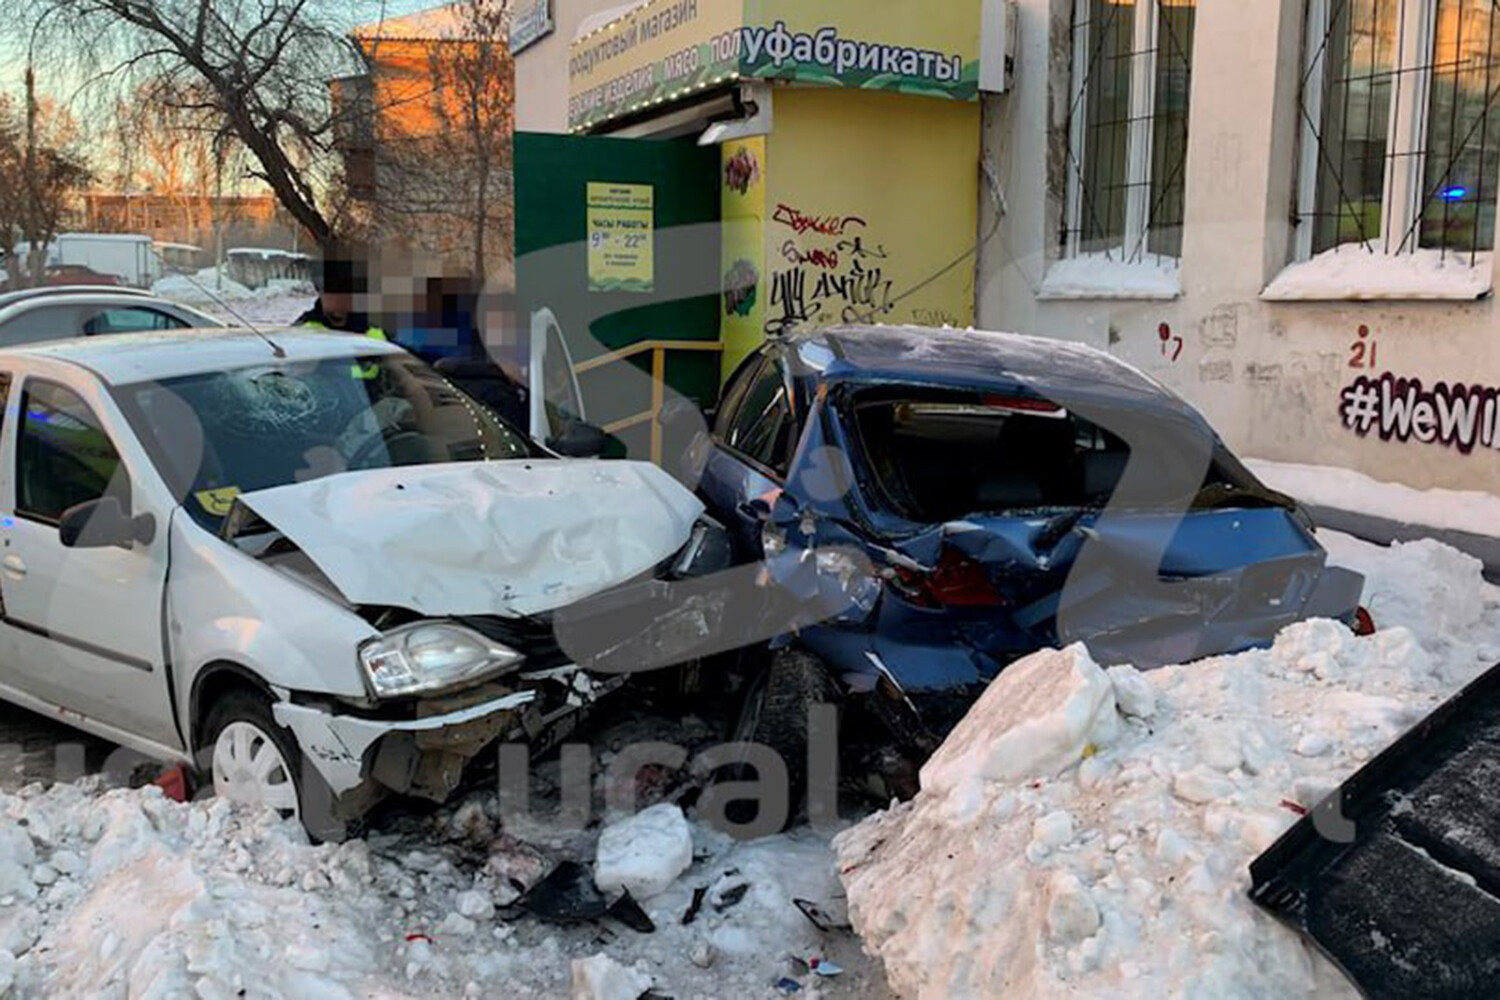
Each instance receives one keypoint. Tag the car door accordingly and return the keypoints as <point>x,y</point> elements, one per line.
<point>556,401</point>
<point>86,622</point>
<point>754,438</point>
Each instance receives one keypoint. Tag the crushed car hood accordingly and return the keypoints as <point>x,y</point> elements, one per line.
<point>509,538</point>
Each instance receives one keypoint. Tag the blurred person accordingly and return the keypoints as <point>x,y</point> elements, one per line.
<point>342,281</point>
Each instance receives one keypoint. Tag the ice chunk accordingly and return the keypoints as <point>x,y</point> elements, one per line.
<point>17,857</point>
<point>645,853</point>
<point>1071,913</point>
<point>475,905</point>
<point>602,978</point>
<point>1133,692</point>
<point>1054,829</point>
<point>1035,720</point>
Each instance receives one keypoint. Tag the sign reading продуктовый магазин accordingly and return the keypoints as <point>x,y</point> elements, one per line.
<point>667,49</point>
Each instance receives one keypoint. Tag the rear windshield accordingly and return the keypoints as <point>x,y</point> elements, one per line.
<point>940,456</point>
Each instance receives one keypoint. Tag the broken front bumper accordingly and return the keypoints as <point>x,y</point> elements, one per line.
<point>425,755</point>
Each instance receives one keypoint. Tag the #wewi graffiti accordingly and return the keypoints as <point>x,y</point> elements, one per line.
<point>1457,415</point>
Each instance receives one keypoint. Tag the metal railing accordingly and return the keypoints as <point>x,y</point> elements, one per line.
<point>658,350</point>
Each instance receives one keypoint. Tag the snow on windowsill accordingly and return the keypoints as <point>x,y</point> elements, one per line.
<point>1106,276</point>
<point>1352,272</point>
<point>1344,489</point>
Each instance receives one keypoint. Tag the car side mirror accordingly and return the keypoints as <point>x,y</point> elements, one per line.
<point>580,440</point>
<point>102,523</point>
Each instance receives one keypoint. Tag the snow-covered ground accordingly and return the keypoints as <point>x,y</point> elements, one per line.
<point>1345,489</point>
<point>1084,832</point>
<point>1088,833</point>
<point>277,304</point>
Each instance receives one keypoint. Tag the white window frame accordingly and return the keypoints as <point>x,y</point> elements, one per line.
<point>1139,141</point>
<point>1406,139</point>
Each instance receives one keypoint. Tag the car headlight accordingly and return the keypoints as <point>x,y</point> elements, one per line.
<point>429,657</point>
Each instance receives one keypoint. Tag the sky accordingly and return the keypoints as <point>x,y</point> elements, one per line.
<point>14,40</point>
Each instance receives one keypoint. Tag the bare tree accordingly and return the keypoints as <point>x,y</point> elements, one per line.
<point>259,69</point>
<point>176,152</point>
<point>40,171</point>
<point>11,146</point>
<point>478,112</point>
<point>443,171</point>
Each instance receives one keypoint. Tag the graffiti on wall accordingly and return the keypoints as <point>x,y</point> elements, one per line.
<point>1403,409</point>
<point>828,269</point>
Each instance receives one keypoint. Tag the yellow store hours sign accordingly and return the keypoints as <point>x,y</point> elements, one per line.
<point>622,245</point>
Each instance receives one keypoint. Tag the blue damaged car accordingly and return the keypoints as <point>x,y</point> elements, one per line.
<point>960,499</point>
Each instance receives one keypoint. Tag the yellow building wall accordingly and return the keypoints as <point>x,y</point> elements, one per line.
<point>870,214</point>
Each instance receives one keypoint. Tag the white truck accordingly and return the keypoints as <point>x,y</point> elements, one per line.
<point>130,258</point>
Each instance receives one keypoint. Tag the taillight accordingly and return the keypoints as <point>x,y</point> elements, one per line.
<point>956,582</point>
<point>1022,404</point>
<point>1364,622</point>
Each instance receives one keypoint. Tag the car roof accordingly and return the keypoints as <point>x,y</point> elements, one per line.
<point>61,291</point>
<point>129,358</point>
<point>999,361</point>
<point>100,298</point>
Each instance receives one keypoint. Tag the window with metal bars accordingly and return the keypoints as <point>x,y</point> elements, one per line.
<point>1401,127</point>
<point>1128,133</point>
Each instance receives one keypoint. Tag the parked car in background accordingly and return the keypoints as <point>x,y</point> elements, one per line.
<point>950,488</point>
<point>178,258</point>
<point>58,314</point>
<point>308,562</point>
<point>78,274</point>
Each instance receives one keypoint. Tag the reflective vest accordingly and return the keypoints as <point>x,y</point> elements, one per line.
<point>374,333</point>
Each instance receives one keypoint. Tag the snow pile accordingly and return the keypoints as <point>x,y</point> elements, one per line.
<point>279,303</point>
<point>1344,489</point>
<point>1088,833</point>
<point>1090,276</point>
<point>205,287</point>
<point>644,854</point>
<point>1352,272</point>
<point>1433,589</point>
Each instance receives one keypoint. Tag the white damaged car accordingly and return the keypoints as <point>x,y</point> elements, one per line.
<point>309,563</point>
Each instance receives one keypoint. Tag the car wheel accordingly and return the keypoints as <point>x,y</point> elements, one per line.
<point>252,760</point>
<point>775,713</point>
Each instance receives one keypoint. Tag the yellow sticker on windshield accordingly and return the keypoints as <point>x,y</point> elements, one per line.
<point>217,502</point>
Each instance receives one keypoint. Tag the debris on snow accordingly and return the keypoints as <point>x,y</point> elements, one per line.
<point>645,853</point>
<point>567,895</point>
<point>155,898</point>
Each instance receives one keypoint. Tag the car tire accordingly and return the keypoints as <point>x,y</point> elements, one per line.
<point>774,712</point>
<point>239,733</point>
